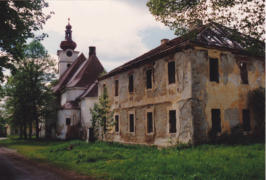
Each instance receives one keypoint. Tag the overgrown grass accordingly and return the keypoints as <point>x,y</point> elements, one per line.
<point>116,161</point>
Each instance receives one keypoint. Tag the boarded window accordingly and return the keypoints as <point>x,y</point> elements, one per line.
<point>131,123</point>
<point>116,123</point>
<point>243,73</point>
<point>130,83</point>
<point>116,87</point>
<point>214,70</point>
<point>246,120</point>
<point>172,121</point>
<point>149,79</point>
<point>68,120</point>
<point>216,121</point>
<point>149,122</point>
<point>171,72</point>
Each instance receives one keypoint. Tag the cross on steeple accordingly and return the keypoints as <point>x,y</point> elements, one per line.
<point>68,35</point>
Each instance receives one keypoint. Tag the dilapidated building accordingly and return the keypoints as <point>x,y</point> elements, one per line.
<point>186,88</point>
<point>76,88</point>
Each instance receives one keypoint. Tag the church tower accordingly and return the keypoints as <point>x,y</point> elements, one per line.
<point>66,55</point>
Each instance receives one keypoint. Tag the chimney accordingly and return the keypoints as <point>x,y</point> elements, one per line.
<point>92,50</point>
<point>163,41</point>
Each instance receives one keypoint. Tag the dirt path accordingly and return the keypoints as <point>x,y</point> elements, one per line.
<point>13,166</point>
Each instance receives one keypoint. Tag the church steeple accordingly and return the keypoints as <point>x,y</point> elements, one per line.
<point>68,43</point>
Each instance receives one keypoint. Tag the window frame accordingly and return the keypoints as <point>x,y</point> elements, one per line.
<point>116,87</point>
<point>134,121</point>
<point>243,72</point>
<point>214,75</point>
<point>131,84</point>
<point>117,124</point>
<point>169,120</point>
<point>173,73</point>
<point>150,110</point>
<point>151,78</point>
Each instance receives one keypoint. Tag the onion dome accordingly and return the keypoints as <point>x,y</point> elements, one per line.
<point>68,43</point>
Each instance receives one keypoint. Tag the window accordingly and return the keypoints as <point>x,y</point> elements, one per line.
<point>131,123</point>
<point>68,65</point>
<point>243,73</point>
<point>171,72</point>
<point>172,121</point>
<point>116,87</point>
<point>216,120</point>
<point>130,83</point>
<point>246,120</point>
<point>116,123</point>
<point>104,124</point>
<point>214,70</point>
<point>68,120</point>
<point>69,53</point>
<point>149,79</point>
<point>149,122</point>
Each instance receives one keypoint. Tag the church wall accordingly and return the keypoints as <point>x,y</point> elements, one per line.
<point>85,105</point>
<point>159,100</point>
<point>70,95</point>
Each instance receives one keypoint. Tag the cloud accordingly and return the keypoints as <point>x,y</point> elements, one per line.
<point>112,26</point>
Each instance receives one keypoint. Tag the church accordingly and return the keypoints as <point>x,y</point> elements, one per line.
<point>76,88</point>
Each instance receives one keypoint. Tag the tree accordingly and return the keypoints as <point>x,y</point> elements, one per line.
<point>102,116</point>
<point>27,91</point>
<point>18,21</point>
<point>247,16</point>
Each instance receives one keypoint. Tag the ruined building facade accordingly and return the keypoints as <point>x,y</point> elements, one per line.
<point>184,89</point>
<point>76,89</point>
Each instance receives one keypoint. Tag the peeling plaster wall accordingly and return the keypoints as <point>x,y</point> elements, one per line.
<point>160,99</point>
<point>229,95</point>
<point>64,131</point>
<point>70,95</point>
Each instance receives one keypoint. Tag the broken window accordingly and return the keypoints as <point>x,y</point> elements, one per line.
<point>116,123</point>
<point>149,122</point>
<point>149,79</point>
<point>243,73</point>
<point>171,72</point>
<point>131,123</point>
<point>246,120</point>
<point>214,70</point>
<point>68,120</point>
<point>130,83</point>
<point>216,121</point>
<point>116,87</point>
<point>172,121</point>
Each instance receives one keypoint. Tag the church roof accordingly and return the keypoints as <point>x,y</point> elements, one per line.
<point>92,91</point>
<point>68,74</point>
<point>212,35</point>
<point>87,73</point>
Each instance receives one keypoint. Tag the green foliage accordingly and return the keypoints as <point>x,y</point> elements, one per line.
<point>256,103</point>
<point>247,16</point>
<point>27,91</point>
<point>102,116</point>
<point>19,20</point>
<point>117,161</point>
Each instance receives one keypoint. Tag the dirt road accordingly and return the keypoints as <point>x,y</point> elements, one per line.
<point>15,167</point>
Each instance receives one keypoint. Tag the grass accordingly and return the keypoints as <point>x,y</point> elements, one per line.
<point>116,161</point>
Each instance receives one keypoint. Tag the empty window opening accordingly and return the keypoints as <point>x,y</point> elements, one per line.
<point>171,72</point>
<point>130,83</point>
<point>149,122</point>
<point>243,73</point>
<point>214,70</point>
<point>216,121</point>
<point>116,87</point>
<point>68,120</point>
<point>246,120</point>
<point>68,65</point>
<point>116,123</point>
<point>172,121</point>
<point>149,79</point>
<point>131,123</point>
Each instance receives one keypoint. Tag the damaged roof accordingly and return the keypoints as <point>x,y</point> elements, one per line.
<point>212,35</point>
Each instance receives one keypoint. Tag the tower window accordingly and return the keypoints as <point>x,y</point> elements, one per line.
<point>149,122</point>
<point>149,79</point>
<point>130,83</point>
<point>214,70</point>
<point>116,123</point>
<point>68,121</point>
<point>171,72</point>
<point>116,87</point>
<point>246,120</point>
<point>172,121</point>
<point>69,53</point>
<point>243,73</point>
<point>131,123</point>
<point>68,65</point>
<point>216,120</point>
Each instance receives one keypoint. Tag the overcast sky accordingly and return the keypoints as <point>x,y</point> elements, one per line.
<point>120,29</point>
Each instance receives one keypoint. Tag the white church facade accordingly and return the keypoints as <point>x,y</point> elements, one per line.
<point>76,88</point>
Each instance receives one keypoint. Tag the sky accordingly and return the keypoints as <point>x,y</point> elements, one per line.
<point>121,30</point>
